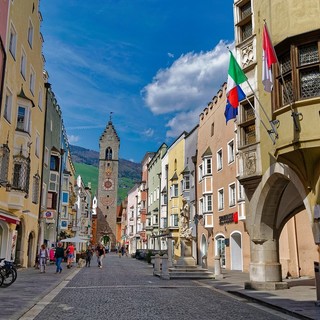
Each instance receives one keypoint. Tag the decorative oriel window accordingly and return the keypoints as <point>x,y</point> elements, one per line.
<point>21,172</point>
<point>298,77</point>
<point>247,124</point>
<point>244,20</point>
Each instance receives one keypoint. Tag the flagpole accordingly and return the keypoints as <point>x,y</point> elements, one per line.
<point>294,114</point>
<point>255,112</point>
<point>273,128</point>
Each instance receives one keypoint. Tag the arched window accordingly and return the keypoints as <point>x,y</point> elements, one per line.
<point>109,153</point>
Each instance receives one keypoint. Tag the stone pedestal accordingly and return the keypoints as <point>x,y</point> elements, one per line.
<point>217,268</point>
<point>186,253</point>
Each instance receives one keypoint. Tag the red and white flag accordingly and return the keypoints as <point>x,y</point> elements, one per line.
<point>268,58</point>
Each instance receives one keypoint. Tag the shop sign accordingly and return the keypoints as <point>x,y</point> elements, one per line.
<point>229,218</point>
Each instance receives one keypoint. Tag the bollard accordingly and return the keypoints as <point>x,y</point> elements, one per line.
<point>165,271</point>
<point>156,269</point>
<point>317,278</point>
<point>217,268</point>
<point>170,263</point>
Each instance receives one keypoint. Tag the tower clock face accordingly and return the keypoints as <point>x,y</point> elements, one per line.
<point>108,184</point>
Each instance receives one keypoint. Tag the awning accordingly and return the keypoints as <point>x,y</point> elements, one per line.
<point>10,218</point>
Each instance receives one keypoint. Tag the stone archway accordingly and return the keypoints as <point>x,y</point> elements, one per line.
<point>278,198</point>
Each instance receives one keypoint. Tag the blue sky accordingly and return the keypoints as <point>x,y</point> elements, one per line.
<point>154,63</point>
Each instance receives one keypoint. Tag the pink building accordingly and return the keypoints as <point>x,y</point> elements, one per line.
<point>221,230</point>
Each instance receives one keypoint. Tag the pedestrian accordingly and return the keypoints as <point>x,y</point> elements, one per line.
<point>43,257</point>
<point>119,252</point>
<point>70,255</point>
<point>59,255</point>
<point>122,250</point>
<point>89,253</point>
<point>100,254</point>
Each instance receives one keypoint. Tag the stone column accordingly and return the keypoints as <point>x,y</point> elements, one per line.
<point>265,269</point>
<point>156,269</point>
<point>165,271</point>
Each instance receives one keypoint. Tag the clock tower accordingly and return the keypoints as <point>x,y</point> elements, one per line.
<point>109,145</point>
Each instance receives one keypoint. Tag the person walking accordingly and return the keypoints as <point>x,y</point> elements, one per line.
<point>70,255</point>
<point>100,254</point>
<point>89,254</point>
<point>59,255</point>
<point>43,257</point>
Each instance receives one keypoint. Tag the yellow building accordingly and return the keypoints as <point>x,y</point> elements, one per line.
<point>21,132</point>
<point>175,201</point>
<point>279,162</point>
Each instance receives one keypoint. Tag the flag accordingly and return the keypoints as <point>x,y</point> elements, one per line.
<point>234,92</point>
<point>268,58</point>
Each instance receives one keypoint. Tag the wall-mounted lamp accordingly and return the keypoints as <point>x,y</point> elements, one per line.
<point>6,184</point>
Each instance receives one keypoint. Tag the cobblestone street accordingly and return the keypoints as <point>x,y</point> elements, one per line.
<point>126,289</point>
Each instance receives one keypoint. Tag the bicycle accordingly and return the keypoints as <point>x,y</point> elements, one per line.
<point>8,272</point>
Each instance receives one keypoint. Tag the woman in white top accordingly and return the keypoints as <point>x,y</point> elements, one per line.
<point>43,256</point>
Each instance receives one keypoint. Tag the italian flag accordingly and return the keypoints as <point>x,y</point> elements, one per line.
<point>268,58</point>
<point>235,77</point>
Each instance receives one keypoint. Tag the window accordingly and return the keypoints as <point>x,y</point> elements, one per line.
<point>21,173</point>
<point>207,166</point>
<point>174,220</point>
<point>40,99</point>
<point>299,61</point>
<point>155,219</point>
<point>52,200</point>
<point>35,188</point>
<point>23,64</point>
<point>37,147</point>
<point>108,153</point>
<point>232,195</point>
<point>4,162</point>
<point>245,21</point>
<point>65,183</point>
<point>219,160</point>
<point>13,41</point>
<point>30,34</point>
<point>200,172</point>
<point>174,190</point>
<point>54,163</point>
<point>186,182</point>
<point>65,197</point>
<point>163,223</point>
<point>201,203</point>
<point>207,203</point>
<point>32,81</point>
<point>247,124</point>
<point>8,106</point>
<point>23,119</point>
<point>240,191</point>
<point>220,200</point>
<point>46,156</point>
<point>43,193</point>
<point>231,151</point>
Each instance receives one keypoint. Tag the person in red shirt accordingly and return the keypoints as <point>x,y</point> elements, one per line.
<point>70,255</point>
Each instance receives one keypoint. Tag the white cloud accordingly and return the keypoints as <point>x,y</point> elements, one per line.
<point>148,133</point>
<point>185,88</point>
<point>183,121</point>
<point>73,139</point>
